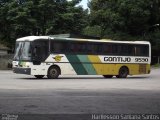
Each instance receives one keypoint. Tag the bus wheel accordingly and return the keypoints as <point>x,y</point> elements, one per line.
<point>53,72</point>
<point>39,76</point>
<point>108,76</point>
<point>123,72</point>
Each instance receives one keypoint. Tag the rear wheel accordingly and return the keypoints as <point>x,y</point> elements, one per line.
<point>53,72</point>
<point>123,72</point>
<point>39,76</point>
<point>108,76</point>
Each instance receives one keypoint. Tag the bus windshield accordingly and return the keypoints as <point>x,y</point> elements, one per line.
<point>22,51</point>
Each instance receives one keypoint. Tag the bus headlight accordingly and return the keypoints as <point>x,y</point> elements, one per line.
<point>27,65</point>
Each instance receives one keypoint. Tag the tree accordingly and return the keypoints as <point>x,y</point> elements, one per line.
<point>132,17</point>
<point>20,18</point>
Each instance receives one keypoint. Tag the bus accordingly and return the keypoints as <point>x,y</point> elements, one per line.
<point>52,56</point>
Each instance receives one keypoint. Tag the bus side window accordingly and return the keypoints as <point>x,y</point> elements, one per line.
<point>81,48</point>
<point>89,48</point>
<point>99,49</point>
<point>119,49</point>
<point>138,50</point>
<point>114,49</point>
<point>95,49</point>
<point>142,50</point>
<point>145,50</point>
<point>56,47</point>
<point>107,48</point>
<point>124,50</point>
<point>131,50</point>
<point>71,47</point>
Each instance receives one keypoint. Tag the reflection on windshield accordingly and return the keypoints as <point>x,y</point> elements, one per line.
<point>22,51</point>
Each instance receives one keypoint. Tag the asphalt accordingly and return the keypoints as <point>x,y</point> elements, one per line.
<point>78,95</point>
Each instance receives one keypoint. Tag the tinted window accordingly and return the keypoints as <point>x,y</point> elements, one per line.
<point>125,49</point>
<point>41,47</point>
<point>89,48</point>
<point>107,49</point>
<point>142,50</point>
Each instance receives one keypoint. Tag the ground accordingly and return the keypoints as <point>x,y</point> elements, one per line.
<point>23,94</point>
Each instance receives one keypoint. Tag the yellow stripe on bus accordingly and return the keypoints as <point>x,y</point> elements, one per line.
<point>95,60</point>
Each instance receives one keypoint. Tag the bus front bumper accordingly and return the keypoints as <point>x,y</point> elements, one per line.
<point>22,70</point>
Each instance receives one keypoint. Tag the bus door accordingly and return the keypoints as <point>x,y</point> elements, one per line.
<point>40,52</point>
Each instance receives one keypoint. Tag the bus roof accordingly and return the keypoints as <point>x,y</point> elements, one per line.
<point>32,38</point>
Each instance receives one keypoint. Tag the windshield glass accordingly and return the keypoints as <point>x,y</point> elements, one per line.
<point>22,51</point>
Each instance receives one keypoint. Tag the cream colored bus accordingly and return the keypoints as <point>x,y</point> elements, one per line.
<point>53,56</point>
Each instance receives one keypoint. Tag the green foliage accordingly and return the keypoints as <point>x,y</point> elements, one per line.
<point>156,65</point>
<point>19,18</point>
<point>126,20</point>
<point>129,16</point>
<point>92,30</point>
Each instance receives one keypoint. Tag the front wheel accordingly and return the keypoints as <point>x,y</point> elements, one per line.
<point>123,72</point>
<point>39,76</point>
<point>53,72</point>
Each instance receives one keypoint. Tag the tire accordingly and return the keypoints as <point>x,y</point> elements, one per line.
<point>107,76</point>
<point>53,72</point>
<point>123,72</point>
<point>39,76</point>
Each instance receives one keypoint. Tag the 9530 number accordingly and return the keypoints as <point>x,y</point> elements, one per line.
<point>141,59</point>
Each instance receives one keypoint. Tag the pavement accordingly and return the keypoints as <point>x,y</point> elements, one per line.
<point>23,94</point>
